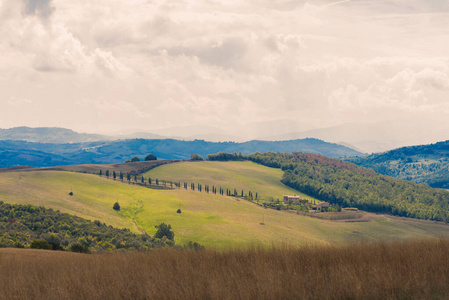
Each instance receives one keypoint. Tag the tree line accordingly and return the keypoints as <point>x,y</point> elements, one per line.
<point>155,182</point>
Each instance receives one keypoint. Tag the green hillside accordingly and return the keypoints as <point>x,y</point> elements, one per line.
<point>212,220</point>
<point>421,164</point>
<point>246,176</point>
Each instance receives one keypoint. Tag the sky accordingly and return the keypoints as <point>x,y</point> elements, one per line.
<point>242,68</point>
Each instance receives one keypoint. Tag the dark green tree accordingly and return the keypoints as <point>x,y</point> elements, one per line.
<point>150,157</point>
<point>116,206</point>
<point>164,230</point>
<point>135,159</point>
<point>195,156</point>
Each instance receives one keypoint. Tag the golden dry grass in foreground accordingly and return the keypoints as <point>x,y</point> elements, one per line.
<point>405,270</point>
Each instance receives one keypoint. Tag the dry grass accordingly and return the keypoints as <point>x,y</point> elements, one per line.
<point>398,270</point>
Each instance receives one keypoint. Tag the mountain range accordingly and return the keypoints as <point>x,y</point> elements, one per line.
<point>16,152</point>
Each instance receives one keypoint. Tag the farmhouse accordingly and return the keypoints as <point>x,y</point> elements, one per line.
<point>294,199</point>
<point>322,206</point>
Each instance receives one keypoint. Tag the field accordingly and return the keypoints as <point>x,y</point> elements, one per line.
<point>231,175</point>
<point>407,270</point>
<point>212,220</point>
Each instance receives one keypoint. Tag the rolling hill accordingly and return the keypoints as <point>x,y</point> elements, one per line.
<point>231,175</point>
<point>421,164</point>
<point>211,220</point>
<point>14,153</point>
<point>49,135</point>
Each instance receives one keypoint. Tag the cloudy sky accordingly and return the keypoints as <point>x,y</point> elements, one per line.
<point>289,66</point>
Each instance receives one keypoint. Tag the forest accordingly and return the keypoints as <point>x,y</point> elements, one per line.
<point>421,164</point>
<point>348,185</point>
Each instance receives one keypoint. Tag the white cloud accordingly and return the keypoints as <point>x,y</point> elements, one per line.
<point>162,63</point>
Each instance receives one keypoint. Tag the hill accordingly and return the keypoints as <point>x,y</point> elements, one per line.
<point>49,135</point>
<point>231,175</point>
<point>421,164</point>
<point>348,185</point>
<point>211,220</point>
<point>13,153</point>
<point>376,137</point>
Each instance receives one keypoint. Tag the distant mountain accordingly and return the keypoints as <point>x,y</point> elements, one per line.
<point>375,137</point>
<point>49,135</point>
<point>13,153</point>
<point>422,164</point>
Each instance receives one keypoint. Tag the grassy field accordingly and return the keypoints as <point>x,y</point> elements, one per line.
<point>231,175</point>
<point>212,220</point>
<point>405,270</point>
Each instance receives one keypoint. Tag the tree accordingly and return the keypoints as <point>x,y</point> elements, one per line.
<point>150,157</point>
<point>135,159</point>
<point>164,230</point>
<point>114,175</point>
<point>101,172</point>
<point>107,173</point>
<point>195,156</point>
<point>116,206</point>
<point>41,244</point>
<point>79,248</point>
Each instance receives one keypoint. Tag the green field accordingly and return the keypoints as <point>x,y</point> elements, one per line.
<point>246,176</point>
<point>211,220</point>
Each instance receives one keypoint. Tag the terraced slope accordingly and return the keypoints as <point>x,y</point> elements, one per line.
<point>212,220</point>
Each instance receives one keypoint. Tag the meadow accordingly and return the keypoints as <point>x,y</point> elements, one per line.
<point>212,220</point>
<point>239,175</point>
<point>383,270</point>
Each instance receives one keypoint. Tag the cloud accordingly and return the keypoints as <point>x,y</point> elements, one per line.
<point>152,64</point>
<point>41,8</point>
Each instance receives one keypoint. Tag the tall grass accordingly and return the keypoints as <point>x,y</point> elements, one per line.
<point>396,270</point>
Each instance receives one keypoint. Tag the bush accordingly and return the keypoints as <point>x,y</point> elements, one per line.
<point>150,157</point>
<point>195,156</point>
<point>194,246</point>
<point>135,159</point>
<point>41,244</point>
<point>79,248</point>
<point>178,211</point>
<point>116,206</point>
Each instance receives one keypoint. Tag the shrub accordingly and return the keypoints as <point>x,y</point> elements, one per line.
<point>41,244</point>
<point>178,211</point>
<point>150,157</point>
<point>195,156</point>
<point>116,206</point>
<point>194,246</point>
<point>79,248</point>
